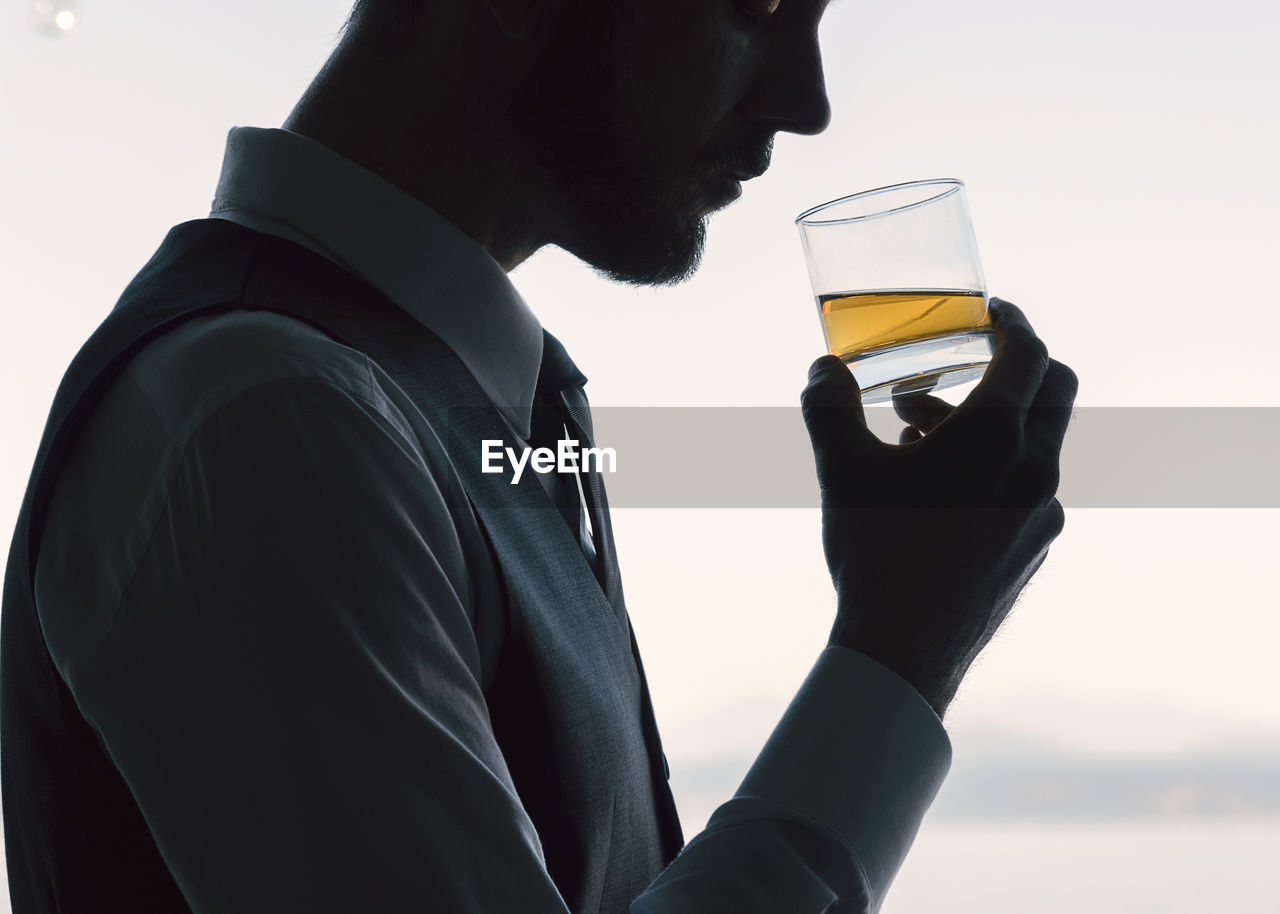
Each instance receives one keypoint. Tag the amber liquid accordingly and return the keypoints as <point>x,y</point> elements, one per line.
<point>860,322</point>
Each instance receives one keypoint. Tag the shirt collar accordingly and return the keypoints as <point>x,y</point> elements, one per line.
<point>289,185</point>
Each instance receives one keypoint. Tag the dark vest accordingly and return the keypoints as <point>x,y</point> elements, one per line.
<point>568,700</point>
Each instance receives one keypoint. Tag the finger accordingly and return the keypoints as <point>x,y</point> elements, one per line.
<point>1055,520</point>
<point>921,410</point>
<point>832,386</point>
<point>910,435</point>
<point>1051,411</point>
<point>1033,483</point>
<point>831,404</point>
<point>1013,378</point>
<point>1006,315</point>
<point>916,385</point>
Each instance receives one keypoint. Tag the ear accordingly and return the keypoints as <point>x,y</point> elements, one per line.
<point>518,19</point>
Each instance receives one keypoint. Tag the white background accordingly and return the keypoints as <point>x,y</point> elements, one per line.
<point>1120,158</point>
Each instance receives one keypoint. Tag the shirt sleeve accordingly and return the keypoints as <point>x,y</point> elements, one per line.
<point>291,684</point>
<point>826,815</point>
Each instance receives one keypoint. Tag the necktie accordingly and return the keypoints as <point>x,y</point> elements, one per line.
<point>547,429</point>
<point>561,408</point>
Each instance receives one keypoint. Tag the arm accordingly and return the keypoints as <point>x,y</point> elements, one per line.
<point>929,545</point>
<point>290,685</point>
<point>827,813</point>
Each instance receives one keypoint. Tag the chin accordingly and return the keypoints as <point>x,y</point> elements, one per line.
<point>648,256</point>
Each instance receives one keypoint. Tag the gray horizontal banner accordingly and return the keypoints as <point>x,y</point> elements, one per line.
<point>1113,457</point>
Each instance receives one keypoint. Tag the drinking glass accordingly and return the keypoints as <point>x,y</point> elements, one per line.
<point>899,287</point>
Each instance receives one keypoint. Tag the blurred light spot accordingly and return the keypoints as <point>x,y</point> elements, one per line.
<point>53,17</point>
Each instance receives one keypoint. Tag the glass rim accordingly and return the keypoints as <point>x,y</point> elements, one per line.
<point>953,186</point>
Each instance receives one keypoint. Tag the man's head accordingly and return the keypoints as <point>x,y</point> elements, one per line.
<point>627,121</point>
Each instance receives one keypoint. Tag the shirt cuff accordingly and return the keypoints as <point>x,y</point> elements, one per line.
<point>860,755</point>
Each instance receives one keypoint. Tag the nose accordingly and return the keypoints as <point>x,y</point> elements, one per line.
<point>790,91</point>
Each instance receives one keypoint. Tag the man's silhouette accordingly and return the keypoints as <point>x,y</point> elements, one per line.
<point>272,640</point>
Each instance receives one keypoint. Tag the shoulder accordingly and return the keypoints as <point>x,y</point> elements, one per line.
<point>241,410</point>
<point>207,363</point>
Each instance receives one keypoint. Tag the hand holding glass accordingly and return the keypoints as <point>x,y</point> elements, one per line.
<point>899,286</point>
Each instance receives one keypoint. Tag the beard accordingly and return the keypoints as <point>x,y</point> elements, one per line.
<point>625,220</point>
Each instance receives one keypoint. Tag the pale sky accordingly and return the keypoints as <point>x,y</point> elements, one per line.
<point>1120,161</point>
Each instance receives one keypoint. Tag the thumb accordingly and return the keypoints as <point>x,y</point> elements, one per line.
<point>831,404</point>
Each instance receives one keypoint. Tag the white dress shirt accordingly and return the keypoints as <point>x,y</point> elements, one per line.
<point>249,440</point>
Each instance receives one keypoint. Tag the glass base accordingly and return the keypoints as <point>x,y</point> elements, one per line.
<point>925,365</point>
